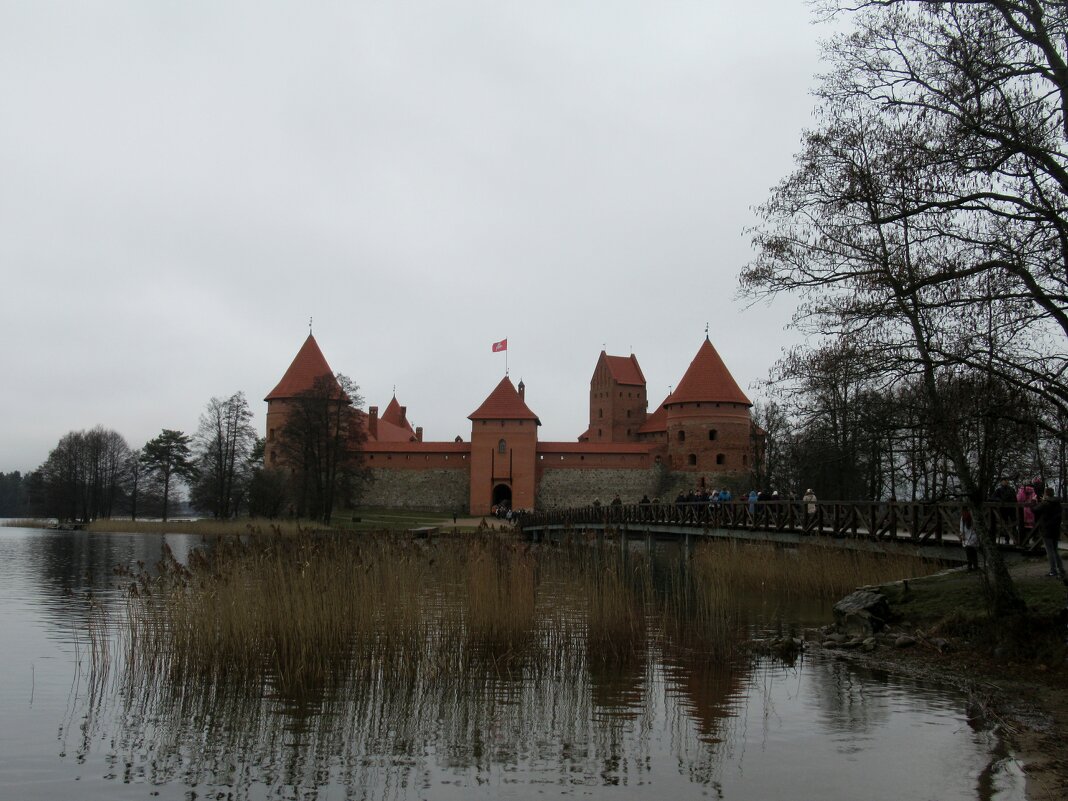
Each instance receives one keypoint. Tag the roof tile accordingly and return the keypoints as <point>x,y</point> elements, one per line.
<point>504,403</point>
<point>707,380</point>
<point>308,365</point>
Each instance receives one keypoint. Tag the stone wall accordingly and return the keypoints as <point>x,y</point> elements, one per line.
<point>564,488</point>
<point>444,490</point>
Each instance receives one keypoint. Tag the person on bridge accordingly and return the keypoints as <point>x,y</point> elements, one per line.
<point>1048,522</point>
<point>1005,494</point>
<point>969,539</point>
<point>1027,499</point>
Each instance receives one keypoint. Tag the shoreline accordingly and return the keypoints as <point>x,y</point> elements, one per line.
<point>1025,702</point>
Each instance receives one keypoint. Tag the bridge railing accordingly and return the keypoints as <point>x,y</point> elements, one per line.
<point>919,522</point>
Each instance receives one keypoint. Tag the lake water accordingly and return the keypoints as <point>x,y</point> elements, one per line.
<point>667,726</point>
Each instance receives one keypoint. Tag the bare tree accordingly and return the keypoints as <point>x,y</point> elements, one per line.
<point>83,475</point>
<point>224,443</point>
<point>925,220</point>
<point>322,443</point>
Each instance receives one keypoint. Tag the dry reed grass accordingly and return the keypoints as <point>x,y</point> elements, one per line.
<point>810,570</point>
<point>206,527</point>
<point>298,614</point>
<point>26,522</point>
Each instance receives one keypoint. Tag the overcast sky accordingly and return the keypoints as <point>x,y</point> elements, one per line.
<point>184,184</point>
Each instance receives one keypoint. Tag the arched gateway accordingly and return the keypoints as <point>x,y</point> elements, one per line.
<point>502,493</point>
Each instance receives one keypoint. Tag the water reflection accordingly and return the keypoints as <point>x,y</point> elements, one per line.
<point>667,720</point>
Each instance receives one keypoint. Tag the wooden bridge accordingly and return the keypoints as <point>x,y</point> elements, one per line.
<point>932,529</point>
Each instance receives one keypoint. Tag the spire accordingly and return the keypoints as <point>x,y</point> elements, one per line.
<point>504,403</point>
<point>308,365</point>
<point>707,380</point>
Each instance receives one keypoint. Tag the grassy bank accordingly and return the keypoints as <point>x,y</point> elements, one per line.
<point>953,604</point>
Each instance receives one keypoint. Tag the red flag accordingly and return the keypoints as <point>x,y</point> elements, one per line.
<point>499,346</point>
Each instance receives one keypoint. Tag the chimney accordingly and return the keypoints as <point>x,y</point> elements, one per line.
<point>372,422</point>
<point>418,433</point>
<point>404,415</point>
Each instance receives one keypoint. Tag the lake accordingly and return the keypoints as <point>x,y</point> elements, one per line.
<point>668,724</point>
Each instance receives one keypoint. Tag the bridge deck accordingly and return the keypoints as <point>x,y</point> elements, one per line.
<point>929,527</point>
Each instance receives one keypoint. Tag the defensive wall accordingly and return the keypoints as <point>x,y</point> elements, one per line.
<point>407,483</point>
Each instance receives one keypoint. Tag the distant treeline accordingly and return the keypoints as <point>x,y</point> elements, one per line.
<point>13,495</point>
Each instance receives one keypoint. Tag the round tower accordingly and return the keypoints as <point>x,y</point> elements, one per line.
<point>709,428</point>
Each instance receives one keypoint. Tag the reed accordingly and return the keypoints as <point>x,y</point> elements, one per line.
<point>27,522</point>
<point>204,527</point>
<point>298,613</point>
<point>810,570</point>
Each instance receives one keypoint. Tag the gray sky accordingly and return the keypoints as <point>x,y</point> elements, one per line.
<point>184,184</point>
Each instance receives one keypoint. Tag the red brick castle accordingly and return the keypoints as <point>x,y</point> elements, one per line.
<point>701,434</point>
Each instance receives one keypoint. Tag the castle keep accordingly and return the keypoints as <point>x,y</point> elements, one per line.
<point>700,435</point>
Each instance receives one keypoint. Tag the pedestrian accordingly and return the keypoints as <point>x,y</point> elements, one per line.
<point>810,499</point>
<point>969,539</point>
<point>1026,497</point>
<point>1048,522</point>
<point>1005,496</point>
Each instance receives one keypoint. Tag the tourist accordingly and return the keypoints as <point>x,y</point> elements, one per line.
<point>969,539</point>
<point>810,499</point>
<point>1048,522</point>
<point>753,497</point>
<point>1026,498</point>
<point>1005,495</point>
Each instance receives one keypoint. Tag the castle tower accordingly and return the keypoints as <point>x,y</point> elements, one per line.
<point>707,418</point>
<point>504,442</point>
<point>308,366</point>
<point>618,402</point>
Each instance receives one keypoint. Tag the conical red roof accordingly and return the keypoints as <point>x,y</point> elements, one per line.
<point>707,380</point>
<point>504,403</point>
<point>308,365</point>
<point>393,416</point>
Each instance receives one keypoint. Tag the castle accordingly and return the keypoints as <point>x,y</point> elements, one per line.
<point>700,435</point>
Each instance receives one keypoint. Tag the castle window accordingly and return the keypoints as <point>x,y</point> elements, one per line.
<point>712,434</point>
<point>502,447</point>
<point>600,413</point>
<point>745,459</point>
<point>691,460</point>
<point>720,458</point>
<point>628,412</point>
<point>628,432</point>
<point>274,457</point>
<point>271,435</point>
<point>682,436</point>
